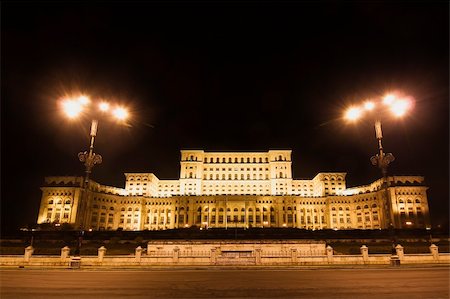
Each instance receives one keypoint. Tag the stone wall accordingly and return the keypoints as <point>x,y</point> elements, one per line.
<point>216,253</point>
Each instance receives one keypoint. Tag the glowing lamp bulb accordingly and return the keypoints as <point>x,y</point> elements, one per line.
<point>353,113</point>
<point>388,99</point>
<point>72,108</point>
<point>103,106</point>
<point>120,113</point>
<point>369,106</point>
<point>400,107</point>
<point>83,100</point>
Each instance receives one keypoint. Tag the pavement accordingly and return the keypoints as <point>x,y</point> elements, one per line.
<point>344,282</point>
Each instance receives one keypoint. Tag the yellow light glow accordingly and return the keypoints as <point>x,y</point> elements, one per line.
<point>72,108</point>
<point>120,113</point>
<point>353,113</point>
<point>408,222</point>
<point>388,99</point>
<point>400,107</point>
<point>369,105</point>
<point>83,100</point>
<point>104,106</point>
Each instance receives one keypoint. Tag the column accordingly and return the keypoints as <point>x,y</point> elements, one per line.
<point>365,253</point>
<point>101,253</point>
<point>137,254</point>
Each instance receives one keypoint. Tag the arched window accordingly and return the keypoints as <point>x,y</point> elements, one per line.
<point>223,160</point>
<point>50,202</point>
<point>400,201</point>
<point>190,175</point>
<point>358,208</point>
<point>334,209</point>
<point>67,202</point>
<point>136,210</point>
<point>130,209</point>
<point>409,201</point>
<point>123,209</point>
<point>374,205</point>
<point>267,160</point>
<point>250,210</point>
<point>229,160</point>
<point>111,208</point>
<point>235,160</point>
<point>59,202</point>
<point>220,210</point>
<point>260,160</point>
<point>235,210</point>
<point>254,160</point>
<point>366,207</point>
<point>280,157</point>
<point>417,200</point>
<point>199,209</point>
<point>281,174</point>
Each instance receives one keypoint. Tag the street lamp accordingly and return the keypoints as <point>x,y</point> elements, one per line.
<point>73,108</point>
<point>398,106</point>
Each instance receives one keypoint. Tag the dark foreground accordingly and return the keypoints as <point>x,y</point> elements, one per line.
<point>323,283</point>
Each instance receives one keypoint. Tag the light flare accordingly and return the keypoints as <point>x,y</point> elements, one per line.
<point>400,107</point>
<point>103,106</point>
<point>72,108</point>
<point>84,100</point>
<point>388,99</point>
<point>120,113</point>
<point>353,113</point>
<point>369,105</point>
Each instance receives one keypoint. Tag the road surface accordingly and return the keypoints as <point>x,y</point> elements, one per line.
<point>432,282</point>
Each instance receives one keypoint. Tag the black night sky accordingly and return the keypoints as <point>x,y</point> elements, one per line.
<point>221,76</point>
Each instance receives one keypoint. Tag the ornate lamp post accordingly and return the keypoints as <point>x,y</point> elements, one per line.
<point>74,107</point>
<point>398,107</point>
<point>90,158</point>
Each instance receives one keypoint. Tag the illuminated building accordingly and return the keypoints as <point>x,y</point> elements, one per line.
<point>235,189</point>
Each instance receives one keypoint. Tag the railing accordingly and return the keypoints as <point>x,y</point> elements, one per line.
<point>215,256</point>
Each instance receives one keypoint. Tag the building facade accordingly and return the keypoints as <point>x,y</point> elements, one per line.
<point>236,189</point>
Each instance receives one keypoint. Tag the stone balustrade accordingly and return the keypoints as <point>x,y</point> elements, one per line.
<point>241,254</point>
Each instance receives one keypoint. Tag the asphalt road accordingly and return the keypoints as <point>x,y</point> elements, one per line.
<point>316,283</point>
